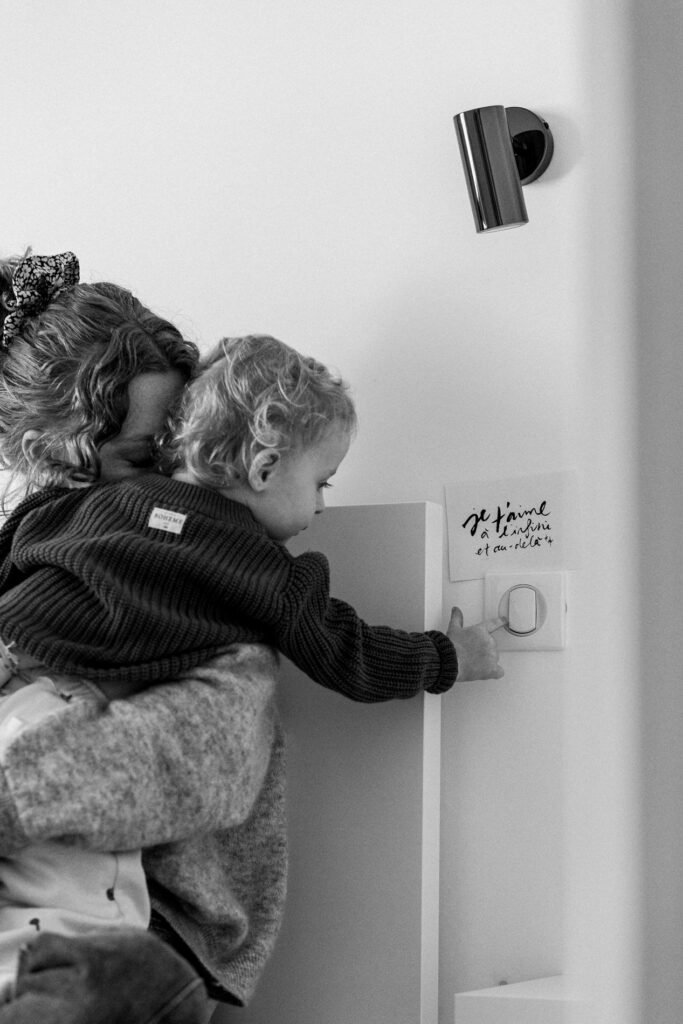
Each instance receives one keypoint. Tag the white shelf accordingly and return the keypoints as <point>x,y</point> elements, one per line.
<point>541,1001</point>
<point>359,940</point>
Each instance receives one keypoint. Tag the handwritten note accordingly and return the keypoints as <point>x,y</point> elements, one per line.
<point>525,523</point>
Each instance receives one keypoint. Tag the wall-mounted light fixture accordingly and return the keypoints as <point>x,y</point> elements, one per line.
<point>502,148</point>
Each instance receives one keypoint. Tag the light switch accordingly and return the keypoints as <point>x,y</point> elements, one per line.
<point>535,605</point>
<point>522,612</point>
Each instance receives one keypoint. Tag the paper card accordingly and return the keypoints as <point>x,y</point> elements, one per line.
<point>527,523</point>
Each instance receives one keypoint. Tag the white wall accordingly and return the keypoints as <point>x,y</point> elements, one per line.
<point>602,755</point>
<point>293,168</point>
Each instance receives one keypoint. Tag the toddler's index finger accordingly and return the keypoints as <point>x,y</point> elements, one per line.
<point>493,624</point>
<point>456,619</point>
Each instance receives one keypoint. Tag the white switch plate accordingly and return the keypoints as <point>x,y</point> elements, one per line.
<point>551,633</point>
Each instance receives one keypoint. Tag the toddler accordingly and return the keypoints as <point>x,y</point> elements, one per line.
<point>151,576</point>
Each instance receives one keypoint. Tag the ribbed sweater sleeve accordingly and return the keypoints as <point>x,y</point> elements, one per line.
<point>10,525</point>
<point>327,639</point>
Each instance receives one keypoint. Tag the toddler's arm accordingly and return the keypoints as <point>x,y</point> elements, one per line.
<point>328,640</point>
<point>177,760</point>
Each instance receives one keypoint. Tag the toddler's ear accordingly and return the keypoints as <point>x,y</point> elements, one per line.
<point>262,469</point>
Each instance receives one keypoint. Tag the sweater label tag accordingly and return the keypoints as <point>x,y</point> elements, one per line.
<point>165,519</point>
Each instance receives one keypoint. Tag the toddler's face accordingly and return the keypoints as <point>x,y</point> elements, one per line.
<point>293,491</point>
<point>130,453</point>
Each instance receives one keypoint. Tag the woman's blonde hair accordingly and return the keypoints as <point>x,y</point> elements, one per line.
<point>65,376</point>
<point>255,394</point>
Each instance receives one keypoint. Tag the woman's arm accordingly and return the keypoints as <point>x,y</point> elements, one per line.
<point>179,759</point>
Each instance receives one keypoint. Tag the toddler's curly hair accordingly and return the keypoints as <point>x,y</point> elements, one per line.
<point>254,394</point>
<point>66,376</point>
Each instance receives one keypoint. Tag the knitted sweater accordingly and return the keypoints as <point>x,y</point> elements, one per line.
<point>192,771</point>
<point>141,580</point>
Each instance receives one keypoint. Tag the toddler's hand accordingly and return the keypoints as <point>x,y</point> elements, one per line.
<point>476,648</point>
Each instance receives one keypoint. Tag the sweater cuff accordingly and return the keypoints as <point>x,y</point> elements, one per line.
<point>449,662</point>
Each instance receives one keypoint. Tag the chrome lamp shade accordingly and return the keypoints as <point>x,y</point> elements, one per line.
<point>501,150</point>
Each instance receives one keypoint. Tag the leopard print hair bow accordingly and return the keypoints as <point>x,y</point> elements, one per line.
<point>36,282</point>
